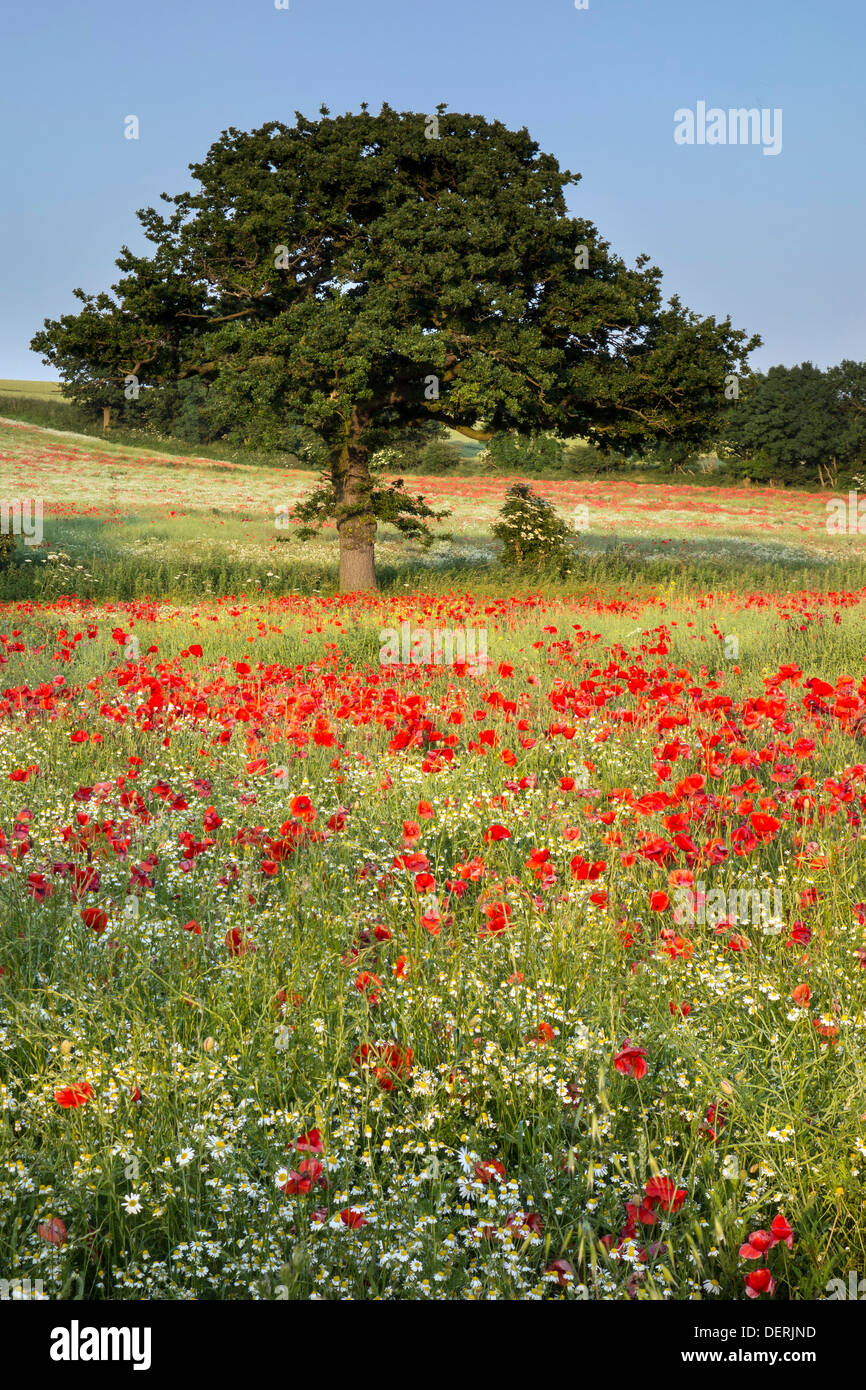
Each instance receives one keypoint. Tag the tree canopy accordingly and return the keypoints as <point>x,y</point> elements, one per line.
<point>799,424</point>
<point>363,274</point>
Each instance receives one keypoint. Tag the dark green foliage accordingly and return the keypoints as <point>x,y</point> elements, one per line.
<point>528,454</point>
<point>351,275</point>
<point>798,425</point>
<point>7,550</point>
<point>439,457</point>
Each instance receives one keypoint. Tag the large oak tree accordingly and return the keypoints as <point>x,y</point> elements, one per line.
<point>365,273</point>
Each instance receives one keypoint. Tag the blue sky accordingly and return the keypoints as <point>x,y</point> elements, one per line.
<point>775,241</point>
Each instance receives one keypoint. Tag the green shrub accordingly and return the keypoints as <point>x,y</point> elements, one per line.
<point>532,533</point>
<point>517,453</point>
<point>7,550</point>
<point>439,457</point>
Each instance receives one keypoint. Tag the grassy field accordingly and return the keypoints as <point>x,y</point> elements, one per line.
<point>39,390</point>
<point>539,976</point>
<point>124,522</point>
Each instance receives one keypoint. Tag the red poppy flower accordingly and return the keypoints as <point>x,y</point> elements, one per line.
<point>759,1281</point>
<point>53,1232</point>
<point>237,943</point>
<point>757,1245</point>
<point>489,1169</point>
<point>71,1097</point>
<point>311,1142</point>
<point>387,1061</point>
<point>631,1061</point>
<point>828,1031</point>
<point>763,825</point>
<point>38,887</point>
<point>782,1232</point>
<point>521,1223</point>
<point>95,918</point>
<point>563,1270</point>
<point>309,1175</point>
<point>497,915</point>
<point>678,948</point>
<point>665,1192</point>
<point>369,985</point>
<point>584,871</point>
<point>496,832</point>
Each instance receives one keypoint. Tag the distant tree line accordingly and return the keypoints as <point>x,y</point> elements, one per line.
<point>798,426</point>
<point>789,426</point>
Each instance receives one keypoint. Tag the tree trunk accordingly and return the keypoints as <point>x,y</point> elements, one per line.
<point>106,419</point>
<point>356,521</point>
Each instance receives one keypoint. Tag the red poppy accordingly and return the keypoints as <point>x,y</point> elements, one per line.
<point>489,1169</point>
<point>369,985</point>
<point>828,1031</point>
<point>563,1270</point>
<point>665,1192</point>
<point>496,832</point>
<point>757,1245</point>
<point>678,948</point>
<point>782,1232</point>
<point>715,1121</point>
<point>309,1175</point>
<point>584,871</point>
<point>311,1142</point>
<point>53,1232</point>
<point>759,1281</point>
<point>237,943</point>
<point>95,918</point>
<point>71,1097</point>
<point>631,1061</point>
<point>497,915</point>
<point>387,1061</point>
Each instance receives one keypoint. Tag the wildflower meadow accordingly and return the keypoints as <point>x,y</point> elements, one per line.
<point>331,970</point>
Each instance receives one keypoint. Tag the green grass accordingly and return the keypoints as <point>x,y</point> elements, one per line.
<point>38,390</point>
